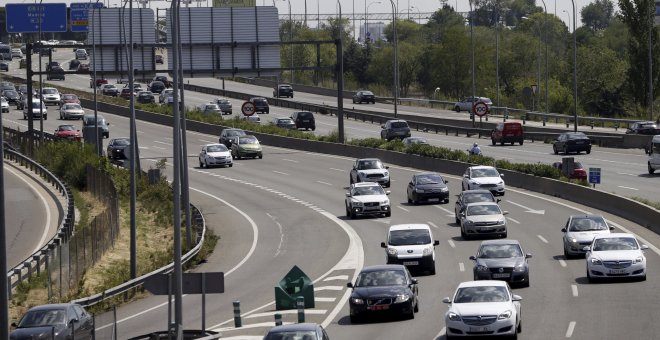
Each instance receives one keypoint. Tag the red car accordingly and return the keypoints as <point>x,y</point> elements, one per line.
<point>126,93</point>
<point>68,132</point>
<point>99,82</point>
<point>578,170</point>
<point>69,98</point>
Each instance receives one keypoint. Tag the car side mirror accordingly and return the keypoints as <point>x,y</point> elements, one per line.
<point>505,212</point>
<point>446,300</point>
<point>383,245</point>
<point>563,230</point>
<point>516,297</point>
<point>14,324</point>
<point>473,258</point>
<point>446,181</point>
<point>411,183</point>
<point>414,281</point>
<point>586,248</point>
<point>466,176</point>
<point>644,247</point>
<point>501,175</point>
<point>498,200</point>
<point>387,192</point>
<point>528,256</point>
<point>348,194</point>
<point>349,285</point>
<point>611,228</point>
<point>436,243</point>
<point>382,126</point>
<point>387,167</point>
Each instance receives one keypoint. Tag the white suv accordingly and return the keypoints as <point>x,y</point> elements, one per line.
<point>50,96</point>
<point>411,245</point>
<point>367,198</point>
<point>484,178</point>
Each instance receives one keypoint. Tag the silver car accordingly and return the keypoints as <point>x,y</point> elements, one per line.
<point>483,218</point>
<point>225,105</point>
<point>71,110</point>
<point>467,103</point>
<point>209,108</point>
<point>580,230</point>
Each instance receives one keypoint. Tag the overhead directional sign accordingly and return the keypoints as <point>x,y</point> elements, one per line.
<point>80,15</point>
<point>27,18</point>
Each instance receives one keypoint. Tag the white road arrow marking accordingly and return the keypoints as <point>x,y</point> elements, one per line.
<point>529,210</point>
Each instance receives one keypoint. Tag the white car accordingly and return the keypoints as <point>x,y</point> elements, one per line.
<point>215,155</point>
<point>411,245</point>
<point>50,95</point>
<point>38,109</point>
<point>253,118</point>
<point>580,231</point>
<point>165,94</point>
<point>654,155</point>
<point>483,177</point>
<point>370,170</point>
<point>483,308</point>
<point>367,198</point>
<point>483,218</point>
<point>4,104</point>
<point>209,108</point>
<point>615,255</point>
<point>467,103</point>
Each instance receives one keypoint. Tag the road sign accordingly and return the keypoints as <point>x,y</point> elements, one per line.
<point>594,175</point>
<point>480,108</point>
<point>79,15</point>
<point>248,109</point>
<point>25,18</point>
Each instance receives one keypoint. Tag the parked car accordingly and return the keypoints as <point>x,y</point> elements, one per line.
<point>383,289</point>
<point>68,132</point>
<point>156,86</point>
<point>260,104</point>
<point>304,120</point>
<point>286,123</point>
<point>394,128</point>
<point>428,187</point>
<point>654,155</point>
<point>578,170</point>
<point>471,196</point>
<point>303,331</point>
<point>411,245</point>
<point>227,136</point>
<point>466,103</point>
<point>644,128</point>
<point>88,121</point>
<point>501,260</point>
<point>364,96</point>
<point>409,141</point>
<point>55,321</point>
<point>483,219</point>
<point>109,90</point>
<point>509,132</point>
<point>283,90</point>
<point>579,232</point>
<point>483,177</point>
<point>39,109</point>
<point>571,142</point>
<point>215,155</point>
<point>615,255</point>
<point>367,198</point>
<point>117,148</point>
<point>370,170</point>
<point>486,307</point>
<point>225,105</point>
<point>71,110</point>
<point>246,146</point>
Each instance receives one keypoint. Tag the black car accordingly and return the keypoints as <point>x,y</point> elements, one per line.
<point>145,97</point>
<point>159,59</point>
<point>501,260</point>
<point>364,97</point>
<point>116,148</point>
<point>427,187</point>
<point>156,86</point>
<point>260,104</point>
<point>283,90</point>
<point>12,96</point>
<point>166,82</point>
<point>56,72</point>
<point>644,128</point>
<point>73,64</point>
<point>394,128</point>
<point>571,142</point>
<point>54,321</point>
<point>304,120</point>
<point>383,289</point>
<point>286,123</point>
<point>471,196</point>
<point>4,66</point>
<point>227,135</point>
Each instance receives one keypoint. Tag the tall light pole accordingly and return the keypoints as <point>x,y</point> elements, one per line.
<point>290,40</point>
<point>651,17</point>
<point>366,19</point>
<point>419,14</point>
<point>575,94</point>
<point>340,81</point>
<point>472,48</point>
<point>545,29</point>
<point>396,59</point>
<point>497,53</point>
<point>568,22</point>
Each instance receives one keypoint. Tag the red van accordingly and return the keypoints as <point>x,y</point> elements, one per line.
<point>507,133</point>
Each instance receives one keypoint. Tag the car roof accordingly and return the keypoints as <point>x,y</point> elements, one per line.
<point>365,184</point>
<point>380,267</point>
<point>213,144</point>
<point>294,327</point>
<point>52,306</point>
<point>368,159</point>
<point>482,283</point>
<point>410,226</point>
<point>476,191</point>
<point>482,203</point>
<point>586,216</point>
<point>500,241</point>
<point>614,235</point>
<point>431,173</point>
<point>482,167</point>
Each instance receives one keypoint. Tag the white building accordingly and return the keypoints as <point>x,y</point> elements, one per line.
<point>372,30</point>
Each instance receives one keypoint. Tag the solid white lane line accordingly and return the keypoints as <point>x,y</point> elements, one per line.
<point>451,243</point>
<point>281,173</point>
<point>335,288</point>
<point>571,328</point>
<point>402,208</point>
<point>160,148</point>
<point>512,220</point>
<point>624,173</point>
<point>290,160</point>
<point>338,277</point>
<point>290,311</point>
<point>326,183</point>
<point>445,210</point>
<point>324,299</point>
<point>562,263</point>
<point>574,289</point>
<point>629,188</point>
<point>432,225</point>
<point>335,169</point>
<point>461,266</point>
<point>159,142</point>
<point>542,239</point>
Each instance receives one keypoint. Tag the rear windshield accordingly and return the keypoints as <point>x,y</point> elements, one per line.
<point>305,114</point>
<point>399,125</point>
<point>409,237</point>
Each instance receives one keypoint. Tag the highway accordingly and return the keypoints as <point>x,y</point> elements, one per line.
<point>287,209</point>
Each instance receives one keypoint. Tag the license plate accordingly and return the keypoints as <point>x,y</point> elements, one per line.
<point>479,329</point>
<point>500,275</point>
<point>484,229</point>
<point>410,263</point>
<point>617,271</point>
<point>580,142</point>
<point>305,120</point>
<point>379,307</point>
<point>434,199</point>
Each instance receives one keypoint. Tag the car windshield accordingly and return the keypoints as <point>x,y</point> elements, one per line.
<point>647,126</point>
<point>66,128</point>
<point>248,140</point>
<point>370,164</point>
<point>587,224</point>
<point>291,335</point>
<point>409,237</point>
<point>381,278</point>
<point>484,172</point>
<point>370,190</point>
<point>40,318</point>
<point>399,125</point>
<point>367,93</point>
<point>259,101</point>
<point>231,133</point>
<point>615,243</point>
<point>429,179</point>
<point>122,142</point>
<point>49,91</point>
<point>481,294</point>
<point>499,251</point>
<point>478,197</point>
<point>216,148</point>
<point>285,121</point>
<point>490,209</point>
<point>72,107</point>
<point>69,97</point>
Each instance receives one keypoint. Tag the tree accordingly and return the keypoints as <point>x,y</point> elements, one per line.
<point>601,75</point>
<point>356,61</point>
<point>598,15</point>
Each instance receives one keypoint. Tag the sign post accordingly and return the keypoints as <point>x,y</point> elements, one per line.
<point>594,176</point>
<point>480,108</point>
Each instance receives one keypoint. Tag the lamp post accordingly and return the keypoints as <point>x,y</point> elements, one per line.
<point>545,28</point>
<point>497,53</point>
<point>396,59</point>
<point>366,19</point>
<point>575,94</point>
<point>651,17</point>
<point>340,82</point>
<point>419,14</point>
<point>537,25</point>
<point>472,48</point>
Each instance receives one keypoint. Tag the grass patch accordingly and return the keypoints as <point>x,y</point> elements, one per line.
<point>655,205</point>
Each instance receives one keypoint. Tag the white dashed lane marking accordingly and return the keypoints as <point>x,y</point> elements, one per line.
<point>542,239</point>
<point>562,263</point>
<point>451,243</point>
<point>281,173</point>
<point>461,266</point>
<point>574,288</point>
<point>629,188</point>
<point>402,208</point>
<point>325,183</point>
<point>571,328</point>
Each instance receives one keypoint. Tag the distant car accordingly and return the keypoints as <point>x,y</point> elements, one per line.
<point>252,119</point>
<point>167,82</point>
<point>145,97</point>
<point>83,68</point>
<point>286,123</point>
<point>486,307</point>
<point>471,196</point>
<point>364,96</point>
<point>12,96</point>
<point>615,255</point>
<point>370,170</point>
<point>39,109</point>
<point>466,103</point>
<point>4,66</point>
<point>367,198</point>
<point>304,120</point>
<point>162,98</point>
<point>571,142</point>
<point>71,110</point>
<point>209,108</point>
<point>225,105</point>
<point>73,64</point>
<point>383,289</point>
<point>227,135</point>
<point>580,230</point>
<point>509,132</point>
<point>99,81</point>
<point>7,85</point>
<point>411,245</point>
<point>16,53</point>
<point>578,170</point>
<point>260,104</point>
<point>427,187</point>
<point>283,90</point>
<point>653,162</point>
<point>644,128</point>
<point>109,90</point>
<point>215,155</point>
<point>68,132</point>
<point>56,72</point>
<point>394,128</point>
<point>501,260</point>
<point>159,59</point>
<point>483,219</point>
<point>81,54</point>
<point>483,177</point>
<point>156,86</point>
<point>126,93</point>
<point>69,98</point>
<point>408,141</point>
<point>246,146</point>
<point>56,322</point>
<point>303,331</point>
<point>117,148</point>
<point>4,105</point>
<point>50,96</point>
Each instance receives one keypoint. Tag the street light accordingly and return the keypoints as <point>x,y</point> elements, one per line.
<point>396,59</point>
<point>575,94</point>
<point>419,14</point>
<point>340,82</point>
<point>472,44</point>
<point>539,29</point>
<point>290,37</point>
<point>366,19</point>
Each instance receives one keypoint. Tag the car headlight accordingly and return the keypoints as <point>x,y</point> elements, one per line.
<point>468,223</point>
<point>500,183</point>
<point>519,268</point>
<point>482,268</point>
<point>386,173</point>
<point>427,251</point>
<point>639,259</point>
<point>596,261</point>
<point>392,251</point>
<point>500,221</point>
<point>453,316</point>
<point>402,298</point>
<point>357,204</point>
<point>504,315</point>
<point>444,189</point>
<point>357,301</point>
<point>574,240</point>
<point>419,190</point>
<point>385,202</point>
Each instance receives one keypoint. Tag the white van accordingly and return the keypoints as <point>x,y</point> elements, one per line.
<point>411,245</point>
<point>654,155</point>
